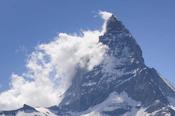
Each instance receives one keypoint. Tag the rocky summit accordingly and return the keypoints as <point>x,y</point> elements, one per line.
<point>122,85</point>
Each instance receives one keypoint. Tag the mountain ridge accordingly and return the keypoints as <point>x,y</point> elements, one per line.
<point>121,85</point>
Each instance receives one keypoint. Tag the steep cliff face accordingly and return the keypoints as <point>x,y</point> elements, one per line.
<point>122,75</point>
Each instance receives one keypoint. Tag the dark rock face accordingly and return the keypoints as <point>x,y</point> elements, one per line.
<point>126,72</point>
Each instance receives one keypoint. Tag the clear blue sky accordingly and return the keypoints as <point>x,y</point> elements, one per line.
<point>26,23</point>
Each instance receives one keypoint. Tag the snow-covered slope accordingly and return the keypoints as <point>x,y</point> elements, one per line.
<point>122,85</point>
<point>27,110</point>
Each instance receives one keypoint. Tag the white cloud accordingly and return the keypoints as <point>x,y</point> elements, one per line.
<point>51,67</point>
<point>105,15</point>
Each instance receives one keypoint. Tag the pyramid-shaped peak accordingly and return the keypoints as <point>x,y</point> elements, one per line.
<point>112,18</point>
<point>25,106</point>
<point>114,25</point>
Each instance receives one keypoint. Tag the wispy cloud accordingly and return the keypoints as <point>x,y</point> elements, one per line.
<point>51,67</point>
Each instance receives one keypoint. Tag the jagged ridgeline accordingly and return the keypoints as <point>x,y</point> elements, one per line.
<point>121,85</point>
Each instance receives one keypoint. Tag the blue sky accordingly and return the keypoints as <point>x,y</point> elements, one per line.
<point>25,24</point>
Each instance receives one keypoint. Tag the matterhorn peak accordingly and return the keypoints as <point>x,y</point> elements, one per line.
<point>112,24</point>
<point>120,41</point>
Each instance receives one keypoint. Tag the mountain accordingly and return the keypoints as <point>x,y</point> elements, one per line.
<point>122,85</point>
<point>24,109</point>
<point>27,110</point>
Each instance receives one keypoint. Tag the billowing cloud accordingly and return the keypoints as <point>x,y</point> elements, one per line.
<point>51,67</point>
